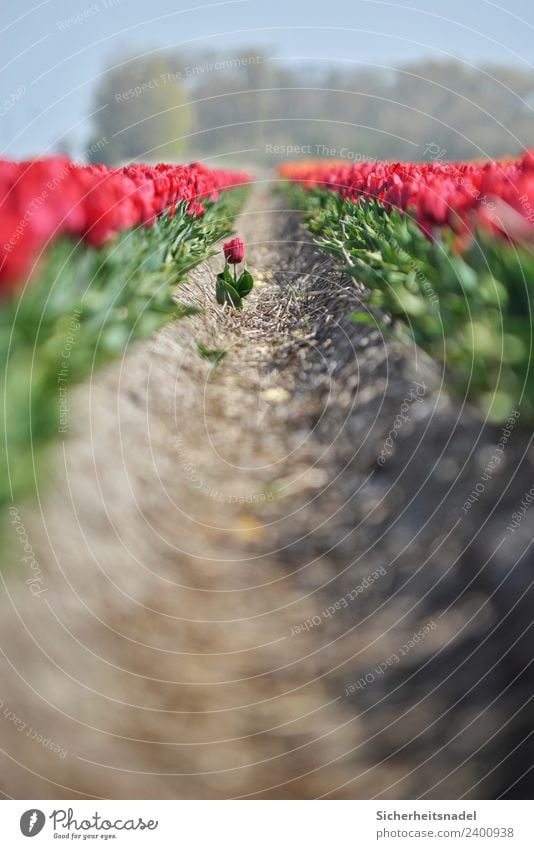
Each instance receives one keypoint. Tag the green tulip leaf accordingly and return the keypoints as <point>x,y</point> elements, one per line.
<point>245,283</point>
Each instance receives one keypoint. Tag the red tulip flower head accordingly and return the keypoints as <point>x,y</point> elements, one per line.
<point>234,251</point>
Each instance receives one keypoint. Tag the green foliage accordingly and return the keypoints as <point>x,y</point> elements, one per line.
<point>245,283</point>
<point>471,312</point>
<point>84,307</point>
<point>231,290</point>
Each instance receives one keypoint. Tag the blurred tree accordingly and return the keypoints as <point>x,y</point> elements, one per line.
<point>140,113</point>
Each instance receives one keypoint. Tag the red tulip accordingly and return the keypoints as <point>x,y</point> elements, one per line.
<point>234,251</point>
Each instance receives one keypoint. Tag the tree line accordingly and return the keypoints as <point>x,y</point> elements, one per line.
<point>251,107</point>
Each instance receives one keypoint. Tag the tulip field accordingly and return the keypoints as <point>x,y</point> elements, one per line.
<point>90,259</point>
<point>45,199</point>
<point>445,249</point>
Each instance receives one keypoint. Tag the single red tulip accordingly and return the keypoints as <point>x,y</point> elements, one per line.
<point>234,251</point>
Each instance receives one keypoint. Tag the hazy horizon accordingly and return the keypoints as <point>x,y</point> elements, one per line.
<point>55,51</point>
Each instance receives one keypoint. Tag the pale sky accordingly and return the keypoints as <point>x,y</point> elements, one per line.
<point>50,63</point>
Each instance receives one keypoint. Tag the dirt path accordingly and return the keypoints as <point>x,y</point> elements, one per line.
<point>234,561</point>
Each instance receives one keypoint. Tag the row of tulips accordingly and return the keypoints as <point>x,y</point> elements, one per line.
<point>462,196</point>
<point>46,198</point>
<point>91,296</point>
<point>447,251</point>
